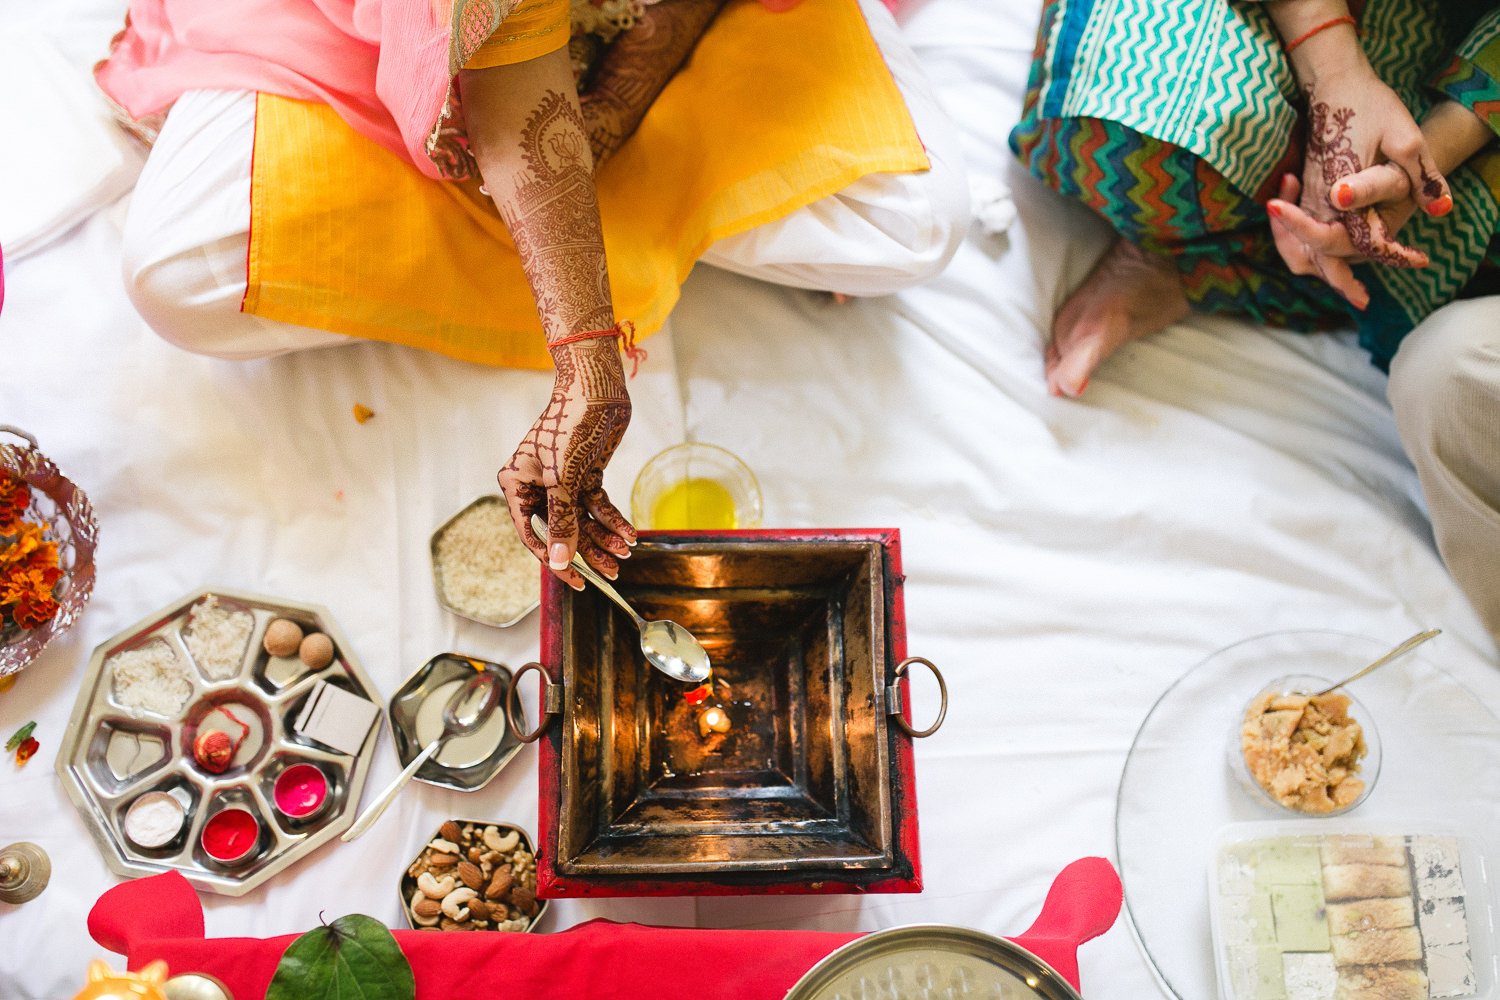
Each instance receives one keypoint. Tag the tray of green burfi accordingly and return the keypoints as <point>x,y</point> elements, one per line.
<point>1307,911</point>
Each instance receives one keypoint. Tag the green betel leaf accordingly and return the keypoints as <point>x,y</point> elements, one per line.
<point>353,958</point>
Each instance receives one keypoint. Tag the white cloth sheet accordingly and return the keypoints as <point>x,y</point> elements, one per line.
<point>1066,561</point>
<point>64,158</point>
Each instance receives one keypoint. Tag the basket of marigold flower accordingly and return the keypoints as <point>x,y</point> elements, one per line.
<point>47,538</point>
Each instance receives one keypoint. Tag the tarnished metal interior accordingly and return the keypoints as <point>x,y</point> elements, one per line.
<point>797,634</point>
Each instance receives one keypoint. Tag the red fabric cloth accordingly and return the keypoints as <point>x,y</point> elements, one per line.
<point>160,917</point>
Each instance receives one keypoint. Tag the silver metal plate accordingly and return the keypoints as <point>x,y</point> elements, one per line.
<point>438,586</point>
<point>465,763</point>
<point>112,753</point>
<point>931,962</point>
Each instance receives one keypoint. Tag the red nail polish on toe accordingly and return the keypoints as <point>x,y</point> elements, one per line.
<point>1440,206</point>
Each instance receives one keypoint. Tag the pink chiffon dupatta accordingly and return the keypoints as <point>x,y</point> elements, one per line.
<point>386,66</point>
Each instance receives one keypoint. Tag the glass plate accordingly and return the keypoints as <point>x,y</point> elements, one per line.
<point>1441,764</point>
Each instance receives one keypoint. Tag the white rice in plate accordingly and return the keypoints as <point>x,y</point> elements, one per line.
<point>217,638</point>
<point>483,570</point>
<point>150,678</point>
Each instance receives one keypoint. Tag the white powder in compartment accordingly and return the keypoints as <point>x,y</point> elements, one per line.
<point>217,638</point>
<point>483,569</point>
<point>151,678</point>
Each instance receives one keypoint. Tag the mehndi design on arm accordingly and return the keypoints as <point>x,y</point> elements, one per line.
<point>1328,142</point>
<point>554,221</point>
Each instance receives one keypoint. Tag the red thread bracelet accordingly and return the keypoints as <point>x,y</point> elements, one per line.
<point>1346,19</point>
<point>624,329</point>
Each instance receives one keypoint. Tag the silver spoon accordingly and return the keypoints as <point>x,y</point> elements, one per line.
<point>1401,650</point>
<point>466,711</point>
<point>668,646</point>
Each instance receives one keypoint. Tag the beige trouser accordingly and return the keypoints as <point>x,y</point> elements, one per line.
<point>1445,389</point>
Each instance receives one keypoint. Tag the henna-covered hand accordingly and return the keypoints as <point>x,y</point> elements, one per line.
<point>525,126</point>
<point>638,64</point>
<point>558,469</point>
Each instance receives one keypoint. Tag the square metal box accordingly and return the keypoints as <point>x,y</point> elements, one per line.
<point>812,789</point>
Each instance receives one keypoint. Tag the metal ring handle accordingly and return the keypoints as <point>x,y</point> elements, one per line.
<point>514,710</point>
<point>896,707</point>
<point>8,429</point>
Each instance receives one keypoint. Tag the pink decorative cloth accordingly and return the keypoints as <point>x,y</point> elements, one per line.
<point>386,66</point>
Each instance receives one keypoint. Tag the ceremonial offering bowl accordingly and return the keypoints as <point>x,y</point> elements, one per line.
<point>67,519</point>
<point>789,771</point>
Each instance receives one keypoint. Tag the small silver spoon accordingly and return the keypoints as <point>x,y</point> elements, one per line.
<point>1401,650</point>
<point>466,711</point>
<point>668,646</point>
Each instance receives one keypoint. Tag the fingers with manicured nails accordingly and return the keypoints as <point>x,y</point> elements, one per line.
<point>611,521</point>
<point>1372,239</point>
<point>1371,186</point>
<point>562,536</point>
<point>525,499</point>
<point>1312,247</point>
<point>1429,188</point>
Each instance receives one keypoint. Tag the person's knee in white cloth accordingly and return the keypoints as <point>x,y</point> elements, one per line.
<point>1445,390</point>
<point>188,229</point>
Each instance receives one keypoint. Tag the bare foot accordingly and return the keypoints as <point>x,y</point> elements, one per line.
<point>1129,294</point>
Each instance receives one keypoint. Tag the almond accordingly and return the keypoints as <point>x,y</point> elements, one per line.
<point>475,854</point>
<point>470,875</point>
<point>454,925</point>
<point>440,859</point>
<point>479,909</point>
<point>450,831</point>
<point>427,907</point>
<point>525,899</point>
<point>499,885</point>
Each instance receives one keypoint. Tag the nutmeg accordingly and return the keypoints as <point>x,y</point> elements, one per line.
<point>283,637</point>
<point>316,650</point>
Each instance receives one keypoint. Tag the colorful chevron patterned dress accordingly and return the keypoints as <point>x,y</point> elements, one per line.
<point>1175,120</point>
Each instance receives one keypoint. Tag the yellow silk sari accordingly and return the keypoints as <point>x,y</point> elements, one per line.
<point>770,113</point>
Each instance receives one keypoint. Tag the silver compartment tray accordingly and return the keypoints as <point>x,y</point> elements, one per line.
<point>112,754</point>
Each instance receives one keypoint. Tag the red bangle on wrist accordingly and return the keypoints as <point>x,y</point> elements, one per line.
<point>1287,47</point>
<point>624,329</point>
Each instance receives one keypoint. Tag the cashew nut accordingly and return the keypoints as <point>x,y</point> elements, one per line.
<point>416,917</point>
<point>453,903</point>
<point>446,846</point>
<point>436,888</point>
<point>495,842</point>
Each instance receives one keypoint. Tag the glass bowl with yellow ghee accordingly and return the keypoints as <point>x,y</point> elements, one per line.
<point>695,487</point>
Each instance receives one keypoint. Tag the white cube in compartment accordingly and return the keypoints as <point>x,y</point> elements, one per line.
<point>1435,863</point>
<point>1309,976</point>
<point>1450,971</point>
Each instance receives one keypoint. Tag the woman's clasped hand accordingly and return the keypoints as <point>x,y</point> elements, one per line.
<point>1368,167</point>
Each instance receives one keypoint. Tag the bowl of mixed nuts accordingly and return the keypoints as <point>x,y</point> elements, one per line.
<point>473,876</point>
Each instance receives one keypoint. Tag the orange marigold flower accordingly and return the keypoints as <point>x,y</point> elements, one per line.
<point>33,612</point>
<point>15,492</point>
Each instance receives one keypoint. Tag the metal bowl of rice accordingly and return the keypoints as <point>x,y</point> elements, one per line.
<point>480,569</point>
<point>67,519</point>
